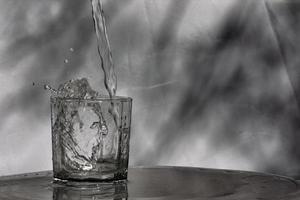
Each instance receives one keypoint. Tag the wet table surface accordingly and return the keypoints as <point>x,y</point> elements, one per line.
<point>157,183</point>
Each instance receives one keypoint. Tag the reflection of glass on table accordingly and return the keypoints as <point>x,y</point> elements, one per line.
<point>113,191</point>
<point>90,138</point>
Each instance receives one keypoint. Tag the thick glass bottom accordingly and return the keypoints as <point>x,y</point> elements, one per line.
<point>89,178</point>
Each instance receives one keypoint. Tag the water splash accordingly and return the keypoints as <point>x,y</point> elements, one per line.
<point>104,51</point>
<point>75,88</point>
<point>48,87</point>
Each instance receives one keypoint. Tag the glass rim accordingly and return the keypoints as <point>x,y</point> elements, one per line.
<point>103,98</point>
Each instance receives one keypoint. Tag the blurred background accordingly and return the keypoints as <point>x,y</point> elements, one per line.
<point>214,83</point>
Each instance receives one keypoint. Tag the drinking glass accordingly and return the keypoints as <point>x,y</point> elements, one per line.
<point>90,138</point>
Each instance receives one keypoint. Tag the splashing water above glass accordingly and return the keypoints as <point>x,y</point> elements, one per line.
<point>104,51</point>
<point>80,88</point>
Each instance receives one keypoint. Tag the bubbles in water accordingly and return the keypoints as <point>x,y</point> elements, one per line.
<point>87,167</point>
<point>82,129</point>
<point>71,117</point>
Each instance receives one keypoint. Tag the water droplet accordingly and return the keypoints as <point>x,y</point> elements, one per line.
<point>48,87</point>
<point>66,61</point>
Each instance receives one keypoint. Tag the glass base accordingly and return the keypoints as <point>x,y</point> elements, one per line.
<point>82,178</point>
<point>70,189</point>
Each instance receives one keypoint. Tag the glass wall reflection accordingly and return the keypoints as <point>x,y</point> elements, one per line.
<point>114,191</point>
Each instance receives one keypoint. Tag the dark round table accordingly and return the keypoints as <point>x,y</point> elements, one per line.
<point>156,183</point>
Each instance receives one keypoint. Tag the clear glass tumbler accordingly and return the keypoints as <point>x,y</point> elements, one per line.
<point>90,138</point>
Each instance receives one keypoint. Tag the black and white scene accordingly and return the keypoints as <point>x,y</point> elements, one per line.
<point>150,99</point>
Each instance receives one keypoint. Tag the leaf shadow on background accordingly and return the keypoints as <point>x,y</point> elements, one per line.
<point>233,85</point>
<point>163,39</point>
<point>284,18</point>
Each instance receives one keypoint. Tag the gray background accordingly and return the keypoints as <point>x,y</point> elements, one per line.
<point>214,83</point>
